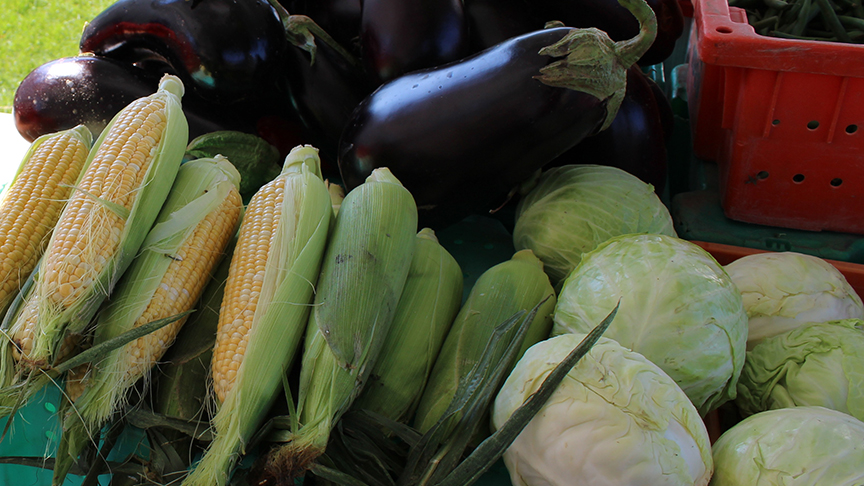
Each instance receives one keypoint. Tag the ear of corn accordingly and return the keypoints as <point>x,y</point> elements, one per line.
<point>427,307</point>
<point>518,284</point>
<point>31,205</point>
<point>265,307</point>
<point>127,176</point>
<point>188,240</point>
<point>363,274</point>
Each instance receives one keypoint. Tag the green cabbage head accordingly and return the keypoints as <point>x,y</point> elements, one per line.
<point>784,290</point>
<point>679,309</point>
<point>800,446</point>
<point>819,364</point>
<point>616,420</point>
<point>574,208</point>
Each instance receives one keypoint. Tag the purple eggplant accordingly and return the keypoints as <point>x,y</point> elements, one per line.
<point>399,36</point>
<point>635,141</point>
<point>461,137</point>
<point>225,51</point>
<point>325,82</point>
<point>87,90</point>
<point>615,20</point>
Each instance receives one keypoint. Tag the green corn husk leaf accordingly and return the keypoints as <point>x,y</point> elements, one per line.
<point>255,159</point>
<point>364,272</point>
<point>55,322</point>
<point>77,434</point>
<point>439,449</point>
<point>280,316</point>
<point>500,292</point>
<point>426,309</point>
<point>13,376</point>
<point>201,186</point>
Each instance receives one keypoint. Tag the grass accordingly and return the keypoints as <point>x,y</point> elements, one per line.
<point>33,32</point>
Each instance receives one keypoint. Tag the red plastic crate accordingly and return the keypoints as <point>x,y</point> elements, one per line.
<point>783,119</point>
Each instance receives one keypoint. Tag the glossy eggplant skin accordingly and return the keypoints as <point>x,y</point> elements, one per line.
<point>399,36</point>
<point>612,18</point>
<point>462,136</point>
<point>635,141</point>
<point>223,50</point>
<point>89,90</point>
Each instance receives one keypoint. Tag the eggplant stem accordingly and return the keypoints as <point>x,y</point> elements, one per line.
<point>629,51</point>
<point>302,31</point>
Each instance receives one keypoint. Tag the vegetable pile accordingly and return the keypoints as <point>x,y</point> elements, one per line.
<point>819,20</point>
<point>226,235</point>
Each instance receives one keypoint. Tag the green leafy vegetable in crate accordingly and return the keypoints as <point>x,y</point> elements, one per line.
<point>822,20</point>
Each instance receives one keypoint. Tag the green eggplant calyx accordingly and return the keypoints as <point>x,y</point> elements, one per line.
<point>590,64</point>
<point>593,63</point>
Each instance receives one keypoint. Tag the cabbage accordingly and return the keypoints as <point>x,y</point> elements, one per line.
<point>782,291</point>
<point>616,419</point>
<point>801,446</point>
<point>819,364</point>
<point>679,309</point>
<point>574,208</point>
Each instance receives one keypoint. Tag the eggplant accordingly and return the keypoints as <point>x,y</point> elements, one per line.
<point>399,36</point>
<point>86,89</point>
<point>325,83</point>
<point>225,51</point>
<point>618,23</point>
<point>635,141</point>
<point>462,136</point>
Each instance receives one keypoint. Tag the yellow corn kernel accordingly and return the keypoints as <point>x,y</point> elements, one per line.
<point>89,232</point>
<point>32,204</point>
<point>184,246</point>
<point>245,279</point>
<point>166,279</point>
<point>127,176</point>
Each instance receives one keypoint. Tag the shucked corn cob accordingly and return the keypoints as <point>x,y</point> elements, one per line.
<point>511,286</point>
<point>267,299</point>
<point>364,271</point>
<point>198,220</point>
<point>31,205</point>
<point>427,307</point>
<point>127,176</point>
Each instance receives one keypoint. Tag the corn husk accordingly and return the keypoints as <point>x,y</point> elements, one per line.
<point>362,277</point>
<point>280,316</point>
<point>518,284</point>
<point>427,307</point>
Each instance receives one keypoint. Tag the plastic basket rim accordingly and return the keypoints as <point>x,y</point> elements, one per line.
<point>724,42</point>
